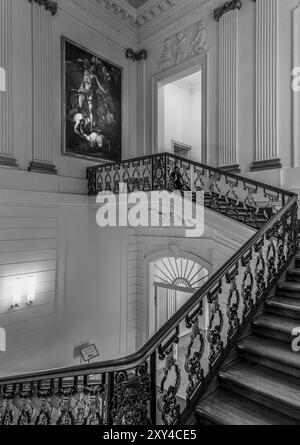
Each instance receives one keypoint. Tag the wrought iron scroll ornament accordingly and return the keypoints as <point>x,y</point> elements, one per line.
<point>49,5</point>
<point>136,56</point>
<point>228,6</point>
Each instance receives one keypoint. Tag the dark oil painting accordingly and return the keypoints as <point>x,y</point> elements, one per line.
<point>92,105</point>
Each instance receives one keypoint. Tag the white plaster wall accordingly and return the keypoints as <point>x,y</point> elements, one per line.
<point>245,85</point>
<point>86,30</point>
<point>183,118</point>
<point>81,279</point>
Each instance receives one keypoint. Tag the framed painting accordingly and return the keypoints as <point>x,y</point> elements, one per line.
<point>91,105</point>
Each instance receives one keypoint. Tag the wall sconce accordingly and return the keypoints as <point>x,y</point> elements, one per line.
<point>31,289</point>
<point>17,292</point>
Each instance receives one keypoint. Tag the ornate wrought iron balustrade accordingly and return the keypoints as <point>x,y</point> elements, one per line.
<point>161,383</point>
<point>239,198</point>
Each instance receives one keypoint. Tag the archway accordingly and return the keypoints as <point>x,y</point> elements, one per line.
<point>173,281</point>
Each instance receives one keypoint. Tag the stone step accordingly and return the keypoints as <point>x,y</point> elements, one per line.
<point>272,389</point>
<point>288,289</point>
<point>293,274</point>
<point>272,353</point>
<point>227,408</point>
<point>275,326</point>
<point>285,306</point>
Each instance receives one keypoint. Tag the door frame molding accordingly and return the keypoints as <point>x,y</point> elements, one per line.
<point>159,80</point>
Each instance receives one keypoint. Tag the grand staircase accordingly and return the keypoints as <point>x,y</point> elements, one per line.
<point>225,355</point>
<point>262,386</point>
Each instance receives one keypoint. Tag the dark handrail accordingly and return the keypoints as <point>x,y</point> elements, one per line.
<point>144,353</point>
<point>198,164</point>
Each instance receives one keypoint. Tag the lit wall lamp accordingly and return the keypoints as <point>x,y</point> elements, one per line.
<point>31,289</point>
<point>17,292</point>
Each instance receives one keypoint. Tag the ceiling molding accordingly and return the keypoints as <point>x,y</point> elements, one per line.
<point>144,22</point>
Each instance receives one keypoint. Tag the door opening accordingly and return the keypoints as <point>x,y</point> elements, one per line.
<point>182,120</point>
<point>173,282</point>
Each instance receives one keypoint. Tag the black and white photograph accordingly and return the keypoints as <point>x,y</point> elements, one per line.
<point>149,217</point>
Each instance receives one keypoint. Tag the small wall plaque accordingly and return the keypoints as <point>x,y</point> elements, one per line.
<point>89,352</point>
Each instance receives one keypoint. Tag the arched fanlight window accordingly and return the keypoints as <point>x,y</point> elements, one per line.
<point>179,272</point>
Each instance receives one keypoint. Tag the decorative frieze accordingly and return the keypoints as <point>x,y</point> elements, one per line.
<point>49,5</point>
<point>190,42</point>
<point>6,95</point>
<point>43,114</point>
<point>266,86</point>
<point>228,80</point>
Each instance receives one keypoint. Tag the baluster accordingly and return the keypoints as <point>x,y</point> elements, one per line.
<point>116,180</point>
<point>94,406</point>
<point>233,303</point>
<point>65,409</point>
<point>167,402</point>
<point>260,271</point>
<point>247,285</point>
<point>44,393</point>
<point>146,176</point>
<point>214,333</point>
<point>153,371</point>
<point>131,397</point>
<point>192,365</point>
<point>8,416</point>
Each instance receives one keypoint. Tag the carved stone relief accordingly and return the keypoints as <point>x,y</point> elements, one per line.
<point>188,43</point>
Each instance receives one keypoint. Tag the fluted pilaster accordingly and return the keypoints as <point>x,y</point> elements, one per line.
<point>43,114</point>
<point>228,77</point>
<point>266,86</point>
<point>6,98</point>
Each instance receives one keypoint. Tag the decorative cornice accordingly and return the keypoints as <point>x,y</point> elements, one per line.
<point>146,14</point>
<point>136,56</point>
<point>135,18</point>
<point>49,5</point>
<point>228,6</point>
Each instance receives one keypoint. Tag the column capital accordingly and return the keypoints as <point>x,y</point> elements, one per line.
<point>228,6</point>
<point>49,5</point>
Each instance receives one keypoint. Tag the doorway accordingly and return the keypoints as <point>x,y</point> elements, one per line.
<point>172,283</point>
<point>180,110</point>
<point>182,120</point>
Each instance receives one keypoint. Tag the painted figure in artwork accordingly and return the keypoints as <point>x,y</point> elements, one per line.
<point>90,90</point>
<point>93,108</point>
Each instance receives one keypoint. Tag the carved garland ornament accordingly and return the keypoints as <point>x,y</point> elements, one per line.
<point>49,5</point>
